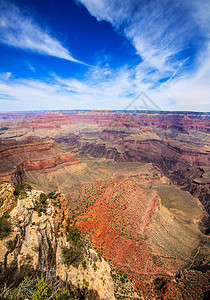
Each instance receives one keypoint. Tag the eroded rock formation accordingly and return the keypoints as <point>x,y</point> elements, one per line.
<point>35,243</point>
<point>130,182</point>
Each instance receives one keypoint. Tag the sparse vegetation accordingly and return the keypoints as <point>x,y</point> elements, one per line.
<point>38,288</point>
<point>122,284</point>
<point>103,280</point>
<point>41,205</point>
<point>74,253</point>
<point>94,267</point>
<point>75,237</point>
<point>122,279</point>
<point>44,285</point>
<point>19,176</point>
<point>100,256</point>
<point>21,189</point>
<point>5,227</point>
<point>84,264</point>
<point>86,283</point>
<point>53,195</point>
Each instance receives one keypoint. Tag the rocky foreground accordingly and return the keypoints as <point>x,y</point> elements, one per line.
<point>104,205</point>
<point>36,242</point>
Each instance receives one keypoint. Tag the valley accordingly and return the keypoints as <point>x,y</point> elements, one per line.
<point>135,184</point>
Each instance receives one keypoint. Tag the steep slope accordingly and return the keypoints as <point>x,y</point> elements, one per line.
<point>145,234</point>
<point>35,244</point>
<point>40,162</point>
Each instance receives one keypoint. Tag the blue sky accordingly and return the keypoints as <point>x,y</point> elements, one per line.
<point>100,54</point>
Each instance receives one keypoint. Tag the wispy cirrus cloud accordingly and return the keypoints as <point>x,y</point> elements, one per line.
<point>104,88</point>
<point>18,29</point>
<point>187,92</point>
<point>56,92</point>
<point>174,71</point>
<point>164,32</point>
<point>173,40</point>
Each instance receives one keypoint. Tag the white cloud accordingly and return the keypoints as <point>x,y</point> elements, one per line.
<point>31,68</point>
<point>2,23</point>
<point>60,93</point>
<point>161,31</point>
<point>154,28</point>
<point>17,29</point>
<point>104,88</point>
<point>201,14</point>
<point>5,76</point>
<point>189,92</point>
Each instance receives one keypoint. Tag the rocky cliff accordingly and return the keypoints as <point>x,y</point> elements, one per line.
<point>35,242</point>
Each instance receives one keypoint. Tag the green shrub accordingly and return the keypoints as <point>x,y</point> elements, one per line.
<point>53,195</point>
<point>94,267</point>
<point>84,264</point>
<point>100,256</point>
<point>85,282</point>
<point>41,205</point>
<point>74,237</point>
<point>36,288</point>
<point>41,289</point>
<point>5,227</point>
<point>15,294</point>
<point>21,189</point>
<point>74,253</point>
<point>42,198</point>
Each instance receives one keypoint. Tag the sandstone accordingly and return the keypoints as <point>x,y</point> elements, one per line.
<point>7,199</point>
<point>123,178</point>
<point>37,246</point>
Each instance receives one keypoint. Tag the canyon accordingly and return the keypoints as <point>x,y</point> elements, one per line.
<point>135,184</point>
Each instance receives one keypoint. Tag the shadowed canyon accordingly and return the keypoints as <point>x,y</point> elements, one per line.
<point>134,187</point>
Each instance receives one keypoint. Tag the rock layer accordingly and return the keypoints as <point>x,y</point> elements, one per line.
<point>125,176</point>
<point>36,244</point>
<point>140,232</point>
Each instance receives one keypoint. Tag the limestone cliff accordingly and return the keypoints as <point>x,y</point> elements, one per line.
<point>35,243</point>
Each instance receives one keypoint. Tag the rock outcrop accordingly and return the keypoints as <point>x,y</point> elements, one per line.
<point>36,242</point>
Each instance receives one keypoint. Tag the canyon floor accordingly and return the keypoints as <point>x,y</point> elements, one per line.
<point>132,187</point>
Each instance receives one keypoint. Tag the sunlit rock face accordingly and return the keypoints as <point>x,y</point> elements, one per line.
<point>36,241</point>
<point>135,184</point>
